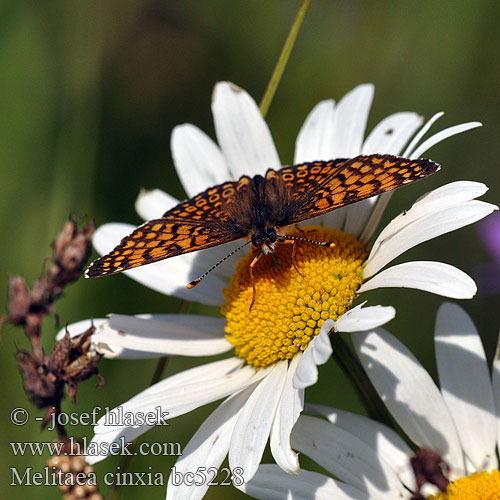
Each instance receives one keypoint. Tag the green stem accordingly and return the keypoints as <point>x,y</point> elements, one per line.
<point>283,59</point>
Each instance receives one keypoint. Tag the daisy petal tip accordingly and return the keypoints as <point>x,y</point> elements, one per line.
<point>218,87</point>
<point>327,326</point>
<point>235,88</point>
<point>368,88</point>
<point>143,193</point>
<point>449,309</point>
<point>361,319</point>
<point>226,86</point>
<point>467,289</point>
<point>295,470</point>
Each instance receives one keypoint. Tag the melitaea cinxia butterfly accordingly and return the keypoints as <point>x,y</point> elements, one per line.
<point>258,208</point>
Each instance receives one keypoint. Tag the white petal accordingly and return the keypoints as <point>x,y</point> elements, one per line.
<point>318,352</point>
<point>375,217</point>
<point>252,429</point>
<point>357,215</point>
<point>385,441</point>
<point>172,397</point>
<point>242,133</point>
<point>175,334</point>
<point>315,139</point>
<point>446,196</point>
<point>421,133</point>
<point>206,449</point>
<point>350,119</point>
<point>271,483</point>
<point>334,219</point>
<point>359,319</point>
<point>78,327</point>
<point>320,346</point>
<point>410,394</point>
<point>153,204</point>
<point>496,387</point>
<point>184,391</point>
<point>423,229</point>
<point>168,276</point>
<point>434,277</point>
<point>392,133</point>
<point>346,457</point>
<point>223,254</point>
<point>289,409</point>
<point>441,136</point>
<point>465,384</point>
<point>198,160</point>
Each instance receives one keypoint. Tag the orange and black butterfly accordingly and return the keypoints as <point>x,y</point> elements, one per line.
<point>258,208</point>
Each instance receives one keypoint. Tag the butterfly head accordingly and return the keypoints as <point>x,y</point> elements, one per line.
<point>265,239</point>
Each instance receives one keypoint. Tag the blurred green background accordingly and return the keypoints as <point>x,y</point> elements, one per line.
<point>90,91</point>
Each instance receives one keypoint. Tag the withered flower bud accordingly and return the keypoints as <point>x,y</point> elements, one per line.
<point>28,307</point>
<point>42,387</point>
<point>429,467</point>
<point>59,356</point>
<point>71,251</point>
<point>19,300</point>
<point>71,362</point>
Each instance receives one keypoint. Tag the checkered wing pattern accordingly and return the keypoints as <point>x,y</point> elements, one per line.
<point>201,222</point>
<point>233,210</point>
<point>321,187</point>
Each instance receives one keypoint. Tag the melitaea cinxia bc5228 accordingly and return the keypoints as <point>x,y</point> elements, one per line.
<point>259,208</point>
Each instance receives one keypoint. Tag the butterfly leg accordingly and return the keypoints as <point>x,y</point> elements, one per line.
<point>275,259</point>
<point>252,265</point>
<point>294,261</point>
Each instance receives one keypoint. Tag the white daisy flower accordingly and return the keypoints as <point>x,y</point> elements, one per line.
<point>275,356</point>
<point>460,421</point>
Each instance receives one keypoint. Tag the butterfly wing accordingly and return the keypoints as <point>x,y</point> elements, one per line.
<point>195,224</point>
<point>321,187</point>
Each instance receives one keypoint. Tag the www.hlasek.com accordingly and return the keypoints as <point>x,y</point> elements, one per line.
<point>210,476</point>
<point>92,449</point>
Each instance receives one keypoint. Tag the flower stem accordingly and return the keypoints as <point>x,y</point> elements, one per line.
<point>283,59</point>
<point>353,369</point>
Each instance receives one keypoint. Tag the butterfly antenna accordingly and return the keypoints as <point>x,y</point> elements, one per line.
<point>296,238</point>
<point>195,282</point>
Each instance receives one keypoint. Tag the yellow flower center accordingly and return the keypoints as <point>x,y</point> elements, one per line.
<point>294,294</point>
<point>477,486</point>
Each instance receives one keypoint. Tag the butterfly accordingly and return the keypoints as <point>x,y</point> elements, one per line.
<point>259,208</point>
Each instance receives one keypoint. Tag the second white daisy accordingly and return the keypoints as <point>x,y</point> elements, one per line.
<point>459,421</point>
